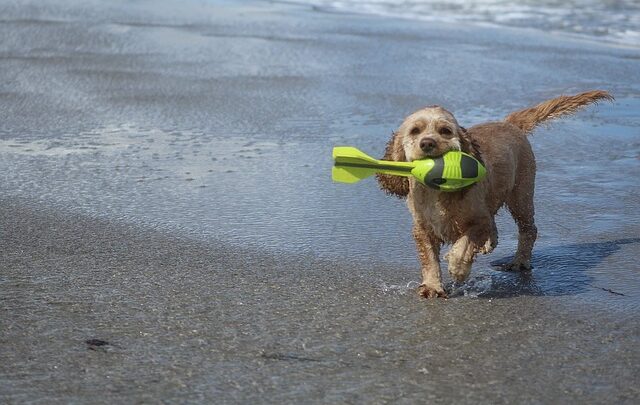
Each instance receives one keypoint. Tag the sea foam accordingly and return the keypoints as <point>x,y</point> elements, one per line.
<point>615,22</point>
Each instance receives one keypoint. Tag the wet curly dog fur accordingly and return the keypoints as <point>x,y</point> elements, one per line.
<point>465,218</point>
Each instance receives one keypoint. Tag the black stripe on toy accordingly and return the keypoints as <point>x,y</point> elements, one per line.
<point>469,167</point>
<point>433,179</point>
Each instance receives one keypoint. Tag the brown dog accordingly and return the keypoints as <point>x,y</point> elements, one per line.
<point>466,218</point>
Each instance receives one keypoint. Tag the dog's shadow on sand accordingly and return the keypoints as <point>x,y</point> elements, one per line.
<point>557,270</point>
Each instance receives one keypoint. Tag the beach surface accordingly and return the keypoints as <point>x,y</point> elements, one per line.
<point>169,231</point>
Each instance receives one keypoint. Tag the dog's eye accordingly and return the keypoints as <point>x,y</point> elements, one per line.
<point>445,131</point>
<point>415,131</point>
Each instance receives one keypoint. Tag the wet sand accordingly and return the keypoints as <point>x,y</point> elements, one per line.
<point>188,321</point>
<point>170,231</point>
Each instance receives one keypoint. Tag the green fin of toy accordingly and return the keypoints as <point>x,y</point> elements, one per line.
<point>352,165</point>
<point>350,174</point>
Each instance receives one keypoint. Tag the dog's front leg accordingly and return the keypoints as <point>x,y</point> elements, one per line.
<point>461,255</point>
<point>460,258</point>
<point>429,252</point>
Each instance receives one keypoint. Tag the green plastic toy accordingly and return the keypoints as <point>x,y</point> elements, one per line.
<point>451,172</point>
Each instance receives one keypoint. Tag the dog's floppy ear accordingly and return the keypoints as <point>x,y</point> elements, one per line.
<point>468,145</point>
<point>394,185</point>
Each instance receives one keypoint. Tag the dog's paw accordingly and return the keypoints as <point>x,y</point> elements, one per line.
<point>516,266</point>
<point>459,270</point>
<point>488,246</point>
<point>430,292</point>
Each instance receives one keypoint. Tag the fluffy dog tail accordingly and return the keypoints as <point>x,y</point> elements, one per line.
<point>530,118</point>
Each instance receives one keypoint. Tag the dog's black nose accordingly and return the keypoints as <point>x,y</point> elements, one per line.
<point>427,144</point>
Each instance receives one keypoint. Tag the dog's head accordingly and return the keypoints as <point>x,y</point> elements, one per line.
<point>427,133</point>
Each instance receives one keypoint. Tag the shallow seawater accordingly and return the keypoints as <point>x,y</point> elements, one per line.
<point>239,151</point>
<point>278,196</point>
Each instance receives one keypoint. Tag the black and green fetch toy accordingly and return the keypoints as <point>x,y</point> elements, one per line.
<point>450,172</point>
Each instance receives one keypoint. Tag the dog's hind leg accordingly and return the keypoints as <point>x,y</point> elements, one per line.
<point>492,241</point>
<point>520,204</point>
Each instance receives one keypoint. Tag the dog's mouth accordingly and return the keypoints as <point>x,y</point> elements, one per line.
<point>432,154</point>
